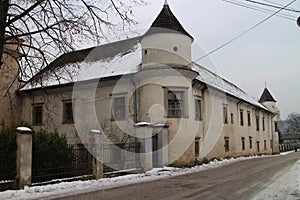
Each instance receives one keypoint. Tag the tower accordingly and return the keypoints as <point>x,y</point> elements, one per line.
<point>269,102</point>
<point>166,42</point>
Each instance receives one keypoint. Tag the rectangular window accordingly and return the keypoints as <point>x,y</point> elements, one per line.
<point>276,126</point>
<point>197,147</point>
<point>225,115</point>
<point>242,117</point>
<point>257,123</point>
<point>243,144</point>
<point>175,103</point>
<point>257,144</point>
<point>226,144</point>
<point>250,142</point>
<point>265,144</point>
<point>68,113</point>
<point>198,109</point>
<point>119,110</point>
<point>37,114</point>
<point>249,118</point>
<point>263,123</point>
<point>231,117</point>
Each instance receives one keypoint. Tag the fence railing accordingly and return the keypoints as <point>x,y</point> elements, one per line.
<point>78,164</point>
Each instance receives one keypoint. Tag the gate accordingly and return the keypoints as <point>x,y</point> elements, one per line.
<point>119,157</point>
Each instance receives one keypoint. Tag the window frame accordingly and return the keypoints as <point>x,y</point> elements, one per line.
<point>184,107</point>
<point>249,118</point>
<point>34,120</point>
<point>241,117</point>
<point>116,116</point>
<point>226,145</point>
<point>225,114</point>
<point>65,118</point>
<point>198,112</point>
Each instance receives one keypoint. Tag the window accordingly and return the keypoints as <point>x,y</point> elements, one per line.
<point>257,144</point>
<point>276,126</point>
<point>250,142</point>
<point>175,103</point>
<point>242,117</point>
<point>119,108</point>
<point>198,109</point>
<point>257,123</point>
<point>37,114</point>
<point>249,118</point>
<point>225,115</point>
<point>265,144</point>
<point>226,144</point>
<point>263,123</point>
<point>231,117</point>
<point>243,144</point>
<point>196,147</point>
<point>68,113</point>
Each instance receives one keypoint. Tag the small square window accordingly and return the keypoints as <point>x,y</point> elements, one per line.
<point>37,114</point>
<point>68,113</point>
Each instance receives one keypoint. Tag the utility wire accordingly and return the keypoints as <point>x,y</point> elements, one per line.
<point>274,6</point>
<point>243,33</point>
<point>256,8</point>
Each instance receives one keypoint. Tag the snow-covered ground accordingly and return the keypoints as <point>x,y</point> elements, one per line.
<point>285,185</point>
<point>62,189</point>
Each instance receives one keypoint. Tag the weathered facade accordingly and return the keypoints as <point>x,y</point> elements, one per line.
<point>150,81</point>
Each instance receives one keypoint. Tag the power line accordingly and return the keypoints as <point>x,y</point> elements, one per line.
<point>245,32</point>
<point>274,6</point>
<point>260,9</point>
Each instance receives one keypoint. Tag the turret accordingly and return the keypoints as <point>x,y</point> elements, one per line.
<point>166,42</point>
<point>268,101</point>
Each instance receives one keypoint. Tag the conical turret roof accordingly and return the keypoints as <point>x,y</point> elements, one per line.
<point>167,20</point>
<point>266,96</point>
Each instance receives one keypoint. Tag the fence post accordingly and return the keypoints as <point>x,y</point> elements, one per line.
<point>144,134</point>
<point>96,147</point>
<point>24,156</point>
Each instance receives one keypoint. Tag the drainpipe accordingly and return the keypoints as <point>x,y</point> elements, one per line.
<point>272,132</point>
<point>134,101</point>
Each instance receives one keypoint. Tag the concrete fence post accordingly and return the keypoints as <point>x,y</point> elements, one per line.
<point>96,148</point>
<point>24,156</point>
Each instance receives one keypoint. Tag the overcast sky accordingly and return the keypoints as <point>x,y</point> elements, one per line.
<point>269,53</point>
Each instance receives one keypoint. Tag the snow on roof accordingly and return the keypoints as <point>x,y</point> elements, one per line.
<point>126,59</point>
<point>219,83</point>
<point>122,63</point>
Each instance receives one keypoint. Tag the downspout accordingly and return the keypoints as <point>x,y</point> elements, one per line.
<point>272,132</point>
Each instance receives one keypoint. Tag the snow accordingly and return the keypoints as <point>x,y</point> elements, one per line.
<point>24,129</point>
<point>143,124</point>
<point>286,185</point>
<point>219,83</point>
<point>128,62</point>
<point>77,187</point>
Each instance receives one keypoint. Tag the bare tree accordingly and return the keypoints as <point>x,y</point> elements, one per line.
<point>293,121</point>
<point>45,29</point>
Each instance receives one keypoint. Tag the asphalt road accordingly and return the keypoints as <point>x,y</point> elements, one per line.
<point>241,180</point>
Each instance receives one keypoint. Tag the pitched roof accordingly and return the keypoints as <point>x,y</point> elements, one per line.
<point>266,96</point>
<point>167,20</point>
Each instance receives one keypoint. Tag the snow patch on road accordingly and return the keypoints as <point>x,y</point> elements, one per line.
<point>284,187</point>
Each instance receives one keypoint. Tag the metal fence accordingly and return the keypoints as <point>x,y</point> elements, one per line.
<point>8,173</point>
<point>78,164</point>
<point>118,157</point>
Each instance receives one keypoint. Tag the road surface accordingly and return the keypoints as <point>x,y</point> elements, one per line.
<point>241,180</point>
